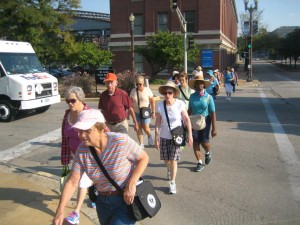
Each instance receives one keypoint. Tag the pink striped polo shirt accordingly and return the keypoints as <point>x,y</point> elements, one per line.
<point>118,158</point>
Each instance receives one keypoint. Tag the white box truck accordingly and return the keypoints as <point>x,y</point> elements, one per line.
<point>24,83</point>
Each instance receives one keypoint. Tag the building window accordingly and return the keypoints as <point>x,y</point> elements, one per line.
<point>139,25</point>
<point>190,18</point>
<point>162,21</point>
<point>138,63</point>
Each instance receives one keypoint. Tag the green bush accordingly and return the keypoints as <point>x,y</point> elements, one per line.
<point>157,81</point>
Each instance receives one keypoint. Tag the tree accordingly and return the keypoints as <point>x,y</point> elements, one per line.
<point>293,41</point>
<point>38,22</point>
<point>165,50</point>
<point>89,54</point>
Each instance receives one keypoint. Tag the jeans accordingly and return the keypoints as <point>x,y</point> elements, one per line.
<point>112,210</point>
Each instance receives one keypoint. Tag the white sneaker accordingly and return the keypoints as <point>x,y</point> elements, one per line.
<point>150,140</point>
<point>172,187</point>
<point>142,146</point>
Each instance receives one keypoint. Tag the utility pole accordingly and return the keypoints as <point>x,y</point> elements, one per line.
<point>174,6</point>
<point>250,9</point>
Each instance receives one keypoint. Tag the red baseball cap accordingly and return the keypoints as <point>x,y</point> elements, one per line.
<point>110,77</point>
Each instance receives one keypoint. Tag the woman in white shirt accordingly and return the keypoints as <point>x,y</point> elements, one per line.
<point>145,100</point>
<point>176,110</point>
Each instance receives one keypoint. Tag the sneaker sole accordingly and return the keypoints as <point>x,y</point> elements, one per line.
<point>71,222</point>
<point>196,170</point>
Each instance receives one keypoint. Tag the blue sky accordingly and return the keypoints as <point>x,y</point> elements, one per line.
<point>276,12</point>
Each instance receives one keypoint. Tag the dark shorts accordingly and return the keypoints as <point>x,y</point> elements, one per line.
<point>201,136</point>
<point>169,151</point>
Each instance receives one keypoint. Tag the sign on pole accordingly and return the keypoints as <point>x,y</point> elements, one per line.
<point>207,58</point>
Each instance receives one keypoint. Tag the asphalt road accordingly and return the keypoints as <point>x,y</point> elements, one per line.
<point>254,175</point>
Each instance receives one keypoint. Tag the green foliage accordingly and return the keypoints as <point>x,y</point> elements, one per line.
<point>157,81</point>
<point>39,22</point>
<point>88,54</point>
<point>165,50</point>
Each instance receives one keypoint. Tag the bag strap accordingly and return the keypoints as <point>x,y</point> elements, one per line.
<point>138,99</point>
<point>183,93</point>
<point>93,151</point>
<point>165,107</point>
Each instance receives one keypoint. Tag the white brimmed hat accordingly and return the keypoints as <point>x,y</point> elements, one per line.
<point>169,84</point>
<point>88,118</point>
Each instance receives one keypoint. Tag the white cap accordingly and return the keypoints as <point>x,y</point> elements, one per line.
<point>88,118</point>
<point>175,72</point>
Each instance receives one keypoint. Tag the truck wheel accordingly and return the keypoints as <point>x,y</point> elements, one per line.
<point>42,109</point>
<point>7,111</point>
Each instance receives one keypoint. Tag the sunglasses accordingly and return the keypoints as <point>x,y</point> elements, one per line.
<point>168,93</point>
<point>138,84</point>
<point>73,101</point>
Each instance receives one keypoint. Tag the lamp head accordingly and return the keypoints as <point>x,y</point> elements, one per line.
<point>256,4</point>
<point>131,17</point>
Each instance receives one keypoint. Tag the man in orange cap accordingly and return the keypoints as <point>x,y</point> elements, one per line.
<point>114,104</point>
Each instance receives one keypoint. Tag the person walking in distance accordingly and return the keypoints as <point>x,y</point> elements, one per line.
<point>114,104</point>
<point>228,78</point>
<point>143,97</point>
<point>202,103</point>
<point>235,80</point>
<point>214,88</point>
<point>74,97</point>
<point>184,90</point>
<point>176,111</point>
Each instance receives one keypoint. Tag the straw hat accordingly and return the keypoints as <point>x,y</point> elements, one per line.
<point>192,82</point>
<point>169,84</point>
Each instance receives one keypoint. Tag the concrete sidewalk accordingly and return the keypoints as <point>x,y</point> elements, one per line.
<point>25,199</point>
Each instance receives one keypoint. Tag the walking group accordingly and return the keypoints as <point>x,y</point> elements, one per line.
<point>186,115</point>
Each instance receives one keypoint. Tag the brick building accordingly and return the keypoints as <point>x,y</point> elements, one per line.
<point>212,23</point>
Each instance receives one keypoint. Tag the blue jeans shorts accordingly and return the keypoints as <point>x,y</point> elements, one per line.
<point>112,210</point>
<point>142,121</point>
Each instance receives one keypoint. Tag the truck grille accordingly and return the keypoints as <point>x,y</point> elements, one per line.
<point>47,91</point>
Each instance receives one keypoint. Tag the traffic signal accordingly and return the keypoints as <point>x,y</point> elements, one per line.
<point>191,42</point>
<point>249,42</point>
<point>174,4</point>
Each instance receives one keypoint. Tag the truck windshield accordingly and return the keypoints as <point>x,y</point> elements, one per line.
<point>20,63</point>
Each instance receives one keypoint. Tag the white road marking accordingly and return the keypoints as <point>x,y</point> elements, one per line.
<point>30,145</point>
<point>285,147</point>
<point>287,79</point>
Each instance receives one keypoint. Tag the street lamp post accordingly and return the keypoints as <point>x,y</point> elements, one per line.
<point>251,10</point>
<point>131,20</point>
<point>183,24</point>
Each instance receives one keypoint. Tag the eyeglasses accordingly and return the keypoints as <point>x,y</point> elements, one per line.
<point>72,100</point>
<point>138,84</point>
<point>168,93</point>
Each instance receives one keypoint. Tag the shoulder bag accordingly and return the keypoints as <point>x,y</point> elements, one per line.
<point>198,121</point>
<point>146,202</point>
<point>145,112</point>
<point>178,133</point>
